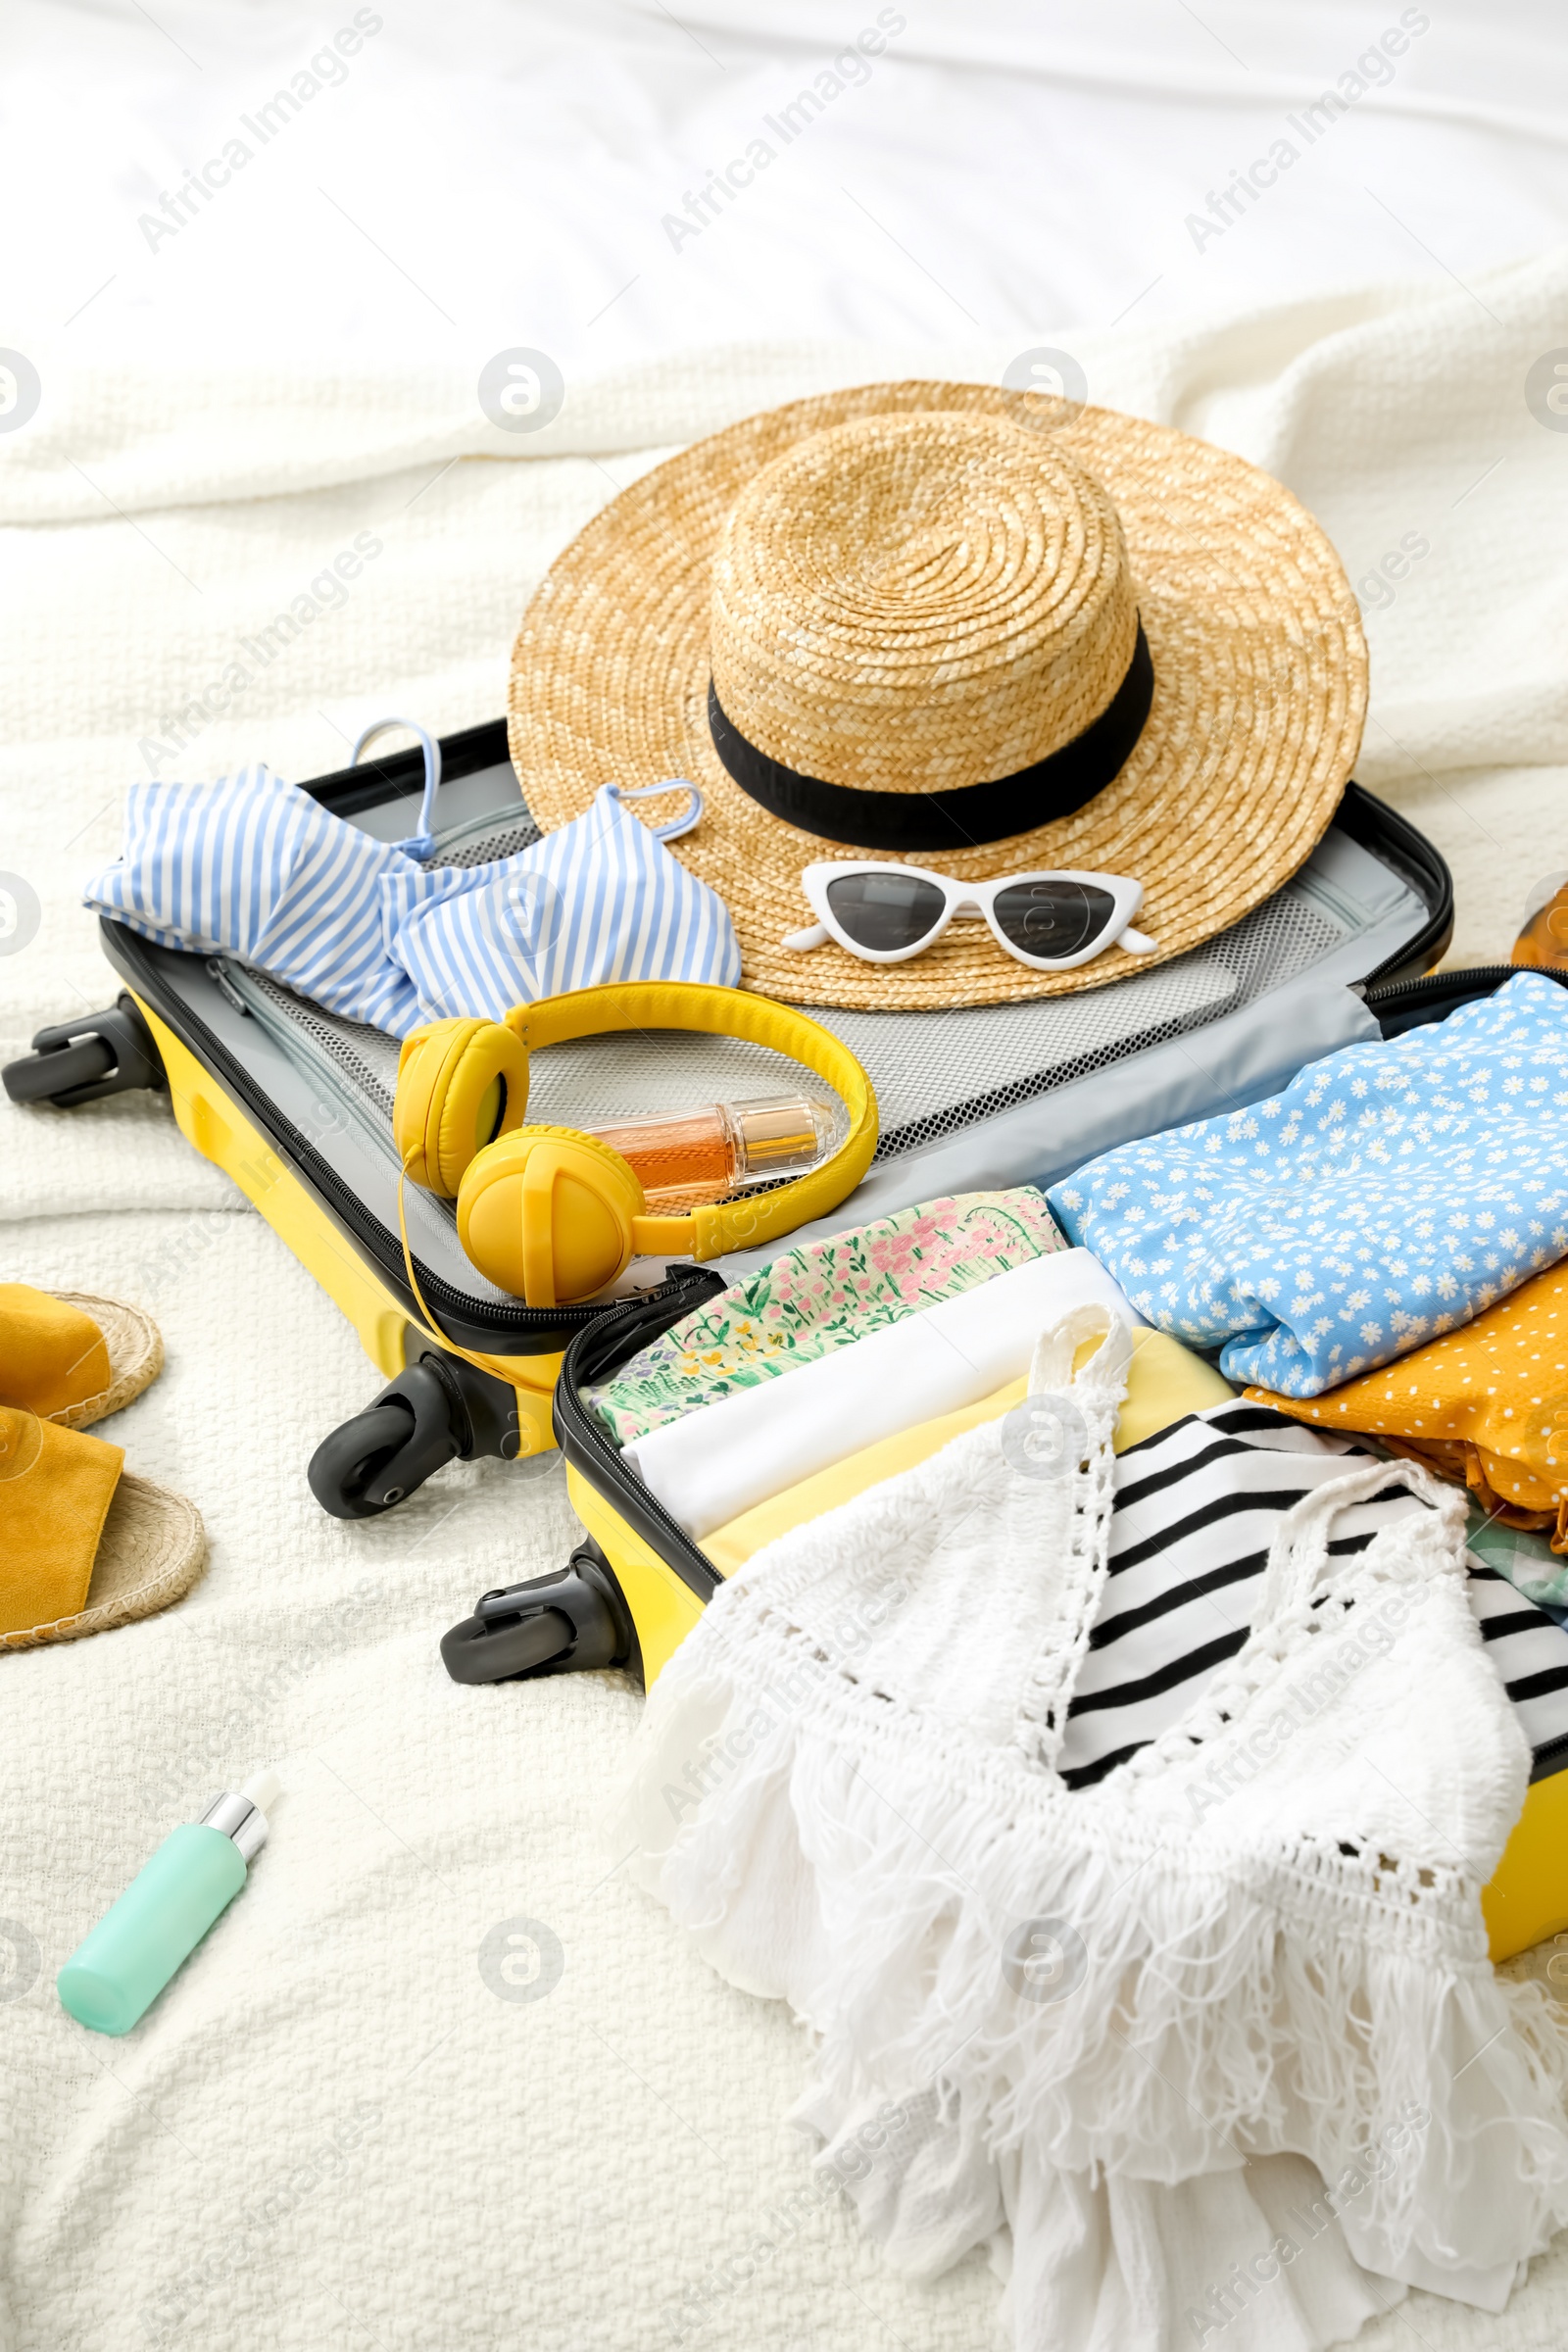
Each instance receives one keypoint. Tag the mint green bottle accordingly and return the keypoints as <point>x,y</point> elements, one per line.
<point>119,1969</point>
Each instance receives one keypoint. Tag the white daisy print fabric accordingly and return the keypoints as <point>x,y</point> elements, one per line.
<point>1391,1192</point>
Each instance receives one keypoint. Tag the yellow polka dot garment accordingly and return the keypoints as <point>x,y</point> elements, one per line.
<point>1487,1404</point>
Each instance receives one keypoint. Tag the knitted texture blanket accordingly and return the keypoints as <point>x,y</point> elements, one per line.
<point>302,2139</point>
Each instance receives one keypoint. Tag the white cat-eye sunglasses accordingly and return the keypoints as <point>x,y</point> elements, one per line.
<point>887,914</point>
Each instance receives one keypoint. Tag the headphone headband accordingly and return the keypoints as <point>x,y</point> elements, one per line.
<point>553,1216</point>
<point>700,1007</point>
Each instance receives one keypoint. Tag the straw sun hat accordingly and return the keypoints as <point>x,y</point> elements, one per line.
<point>961,627</point>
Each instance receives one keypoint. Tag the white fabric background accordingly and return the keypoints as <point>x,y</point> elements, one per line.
<point>1015,166</point>
<point>216,423</point>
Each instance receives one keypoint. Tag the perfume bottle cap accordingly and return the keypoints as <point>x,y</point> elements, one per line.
<point>238,1813</point>
<point>781,1134</point>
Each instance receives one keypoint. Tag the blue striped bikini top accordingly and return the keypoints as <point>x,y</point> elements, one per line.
<point>256,868</point>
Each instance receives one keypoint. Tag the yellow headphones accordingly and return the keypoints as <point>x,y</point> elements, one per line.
<point>553,1215</point>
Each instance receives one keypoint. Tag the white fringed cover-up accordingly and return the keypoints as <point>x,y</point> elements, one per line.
<point>1134,2029</point>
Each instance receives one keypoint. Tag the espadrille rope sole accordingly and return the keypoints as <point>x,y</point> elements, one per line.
<point>136,1355</point>
<point>152,1549</point>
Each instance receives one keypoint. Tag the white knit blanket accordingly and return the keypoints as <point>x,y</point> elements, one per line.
<point>340,2127</point>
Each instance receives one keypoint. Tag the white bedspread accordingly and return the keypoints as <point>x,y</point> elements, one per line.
<point>340,2127</point>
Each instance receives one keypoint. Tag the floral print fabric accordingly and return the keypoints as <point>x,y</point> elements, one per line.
<point>1390,1193</point>
<point>820,1296</point>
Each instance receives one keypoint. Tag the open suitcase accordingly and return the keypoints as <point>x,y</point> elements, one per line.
<point>295,1106</point>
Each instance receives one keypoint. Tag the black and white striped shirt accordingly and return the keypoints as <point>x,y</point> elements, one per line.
<point>1196,1508</point>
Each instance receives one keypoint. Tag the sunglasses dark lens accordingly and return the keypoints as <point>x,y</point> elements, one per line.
<point>885,911</point>
<point>1052,918</point>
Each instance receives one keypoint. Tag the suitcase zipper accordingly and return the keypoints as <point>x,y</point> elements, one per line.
<point>1401,1005</point>
<point>236,983</point>
<point>1383,831</point>
<point>583,1444</point>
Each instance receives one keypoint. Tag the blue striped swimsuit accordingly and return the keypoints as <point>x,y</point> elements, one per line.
<point>253,867</point>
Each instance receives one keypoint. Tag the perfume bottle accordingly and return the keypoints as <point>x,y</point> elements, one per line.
<point>686,1157</point>
<point>119,1969</point>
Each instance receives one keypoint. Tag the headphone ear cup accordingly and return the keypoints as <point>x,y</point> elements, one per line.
<point>546,1213</point>
<point>460,1084</point>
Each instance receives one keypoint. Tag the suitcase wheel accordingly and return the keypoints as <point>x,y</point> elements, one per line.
<point>560,1624</point>
<point>415,1426</point>
<point>110,1052</point>
<point>439,1409</point>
